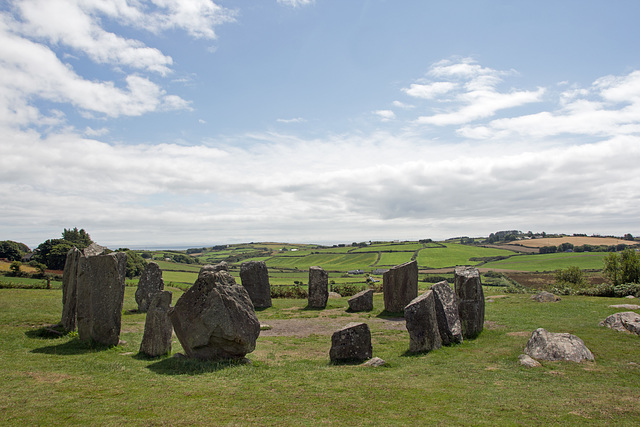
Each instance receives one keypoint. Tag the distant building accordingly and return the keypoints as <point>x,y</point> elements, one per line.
<point>355,272</point>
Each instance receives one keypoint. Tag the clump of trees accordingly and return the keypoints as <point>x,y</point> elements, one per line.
<point>622,267</point>
<point>53,252</point>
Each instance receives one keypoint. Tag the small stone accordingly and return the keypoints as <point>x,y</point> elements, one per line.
<point>351,343</point>
<point>545,296</point>
<point>265,327</point>
<point>551,346</point>
<point>362,301</point>
<point>630,297</point>
<point>626,306</point>
<point>375,362</point>
<point>254,276</point>
<point>334,295</point>
<point>528,361</point>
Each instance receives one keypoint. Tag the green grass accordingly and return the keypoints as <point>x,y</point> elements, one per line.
<point>390,259</point>
<point>342,262</point>
<point>454,254</point>
<point>551,262</point>
<point>291,382</point>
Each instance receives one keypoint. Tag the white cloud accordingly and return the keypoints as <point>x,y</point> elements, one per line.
<point>296,3</point>
<point>385,115</point>
<point>429,91</point>
<point>294,120</point>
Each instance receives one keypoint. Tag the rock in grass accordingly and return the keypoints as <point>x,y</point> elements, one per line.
<point>215,319</point>
<point>362,301</point>
<point>374,362</point>
<point>318,287</point>
<point>400,286</point>
<point>449,323</point>
<point>468,289</point>
<point>254,276</point>
<point>156,340</point>
<point>422,323</point>
<point>150,284</point>
<point>528,361</point>
<point>100,297</point>
<point>544,345</point>
<point>545,296</point>
<point>627,321</point>
<point>351,343</point>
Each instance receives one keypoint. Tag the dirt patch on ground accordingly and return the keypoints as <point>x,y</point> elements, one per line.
<point>324,326</point>
<point>547,280</point>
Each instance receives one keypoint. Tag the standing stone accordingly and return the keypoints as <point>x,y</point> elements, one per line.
<point>156,340</point>
<point>362,301</point>
<point>100,296</point>
<point>94,249</point>
<point>255,279</point>
<point>470,300</point>
<point>422,323</point>
<point>449,323</point>
<point>318,287</point>
<point>351,343</point>
<point>69,289</point>
<point>209,268</point>
<point>149,285</point>
<point>400,286</point>
<point>551,346</point>
<point>215,318</point>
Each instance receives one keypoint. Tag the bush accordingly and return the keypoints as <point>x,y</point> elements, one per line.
<point>571,276</point>
<point>349,289</point>
<point>287,291</point>
<point>15,268</point>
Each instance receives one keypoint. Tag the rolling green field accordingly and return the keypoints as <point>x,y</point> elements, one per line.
<point>454,254</point>
<point>550,262</point>
<point>290,381</point>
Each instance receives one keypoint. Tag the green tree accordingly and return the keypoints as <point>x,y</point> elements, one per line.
<point>79,238</point>
<point>15,267</point>
<point>572,276</point>
<point>10,250</point>
<point>623,267</point>
<point>135,263</point>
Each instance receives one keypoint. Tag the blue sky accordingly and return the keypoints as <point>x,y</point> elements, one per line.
<point>200,122</point>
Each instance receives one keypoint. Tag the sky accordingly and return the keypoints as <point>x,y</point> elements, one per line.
<point>167,123</point>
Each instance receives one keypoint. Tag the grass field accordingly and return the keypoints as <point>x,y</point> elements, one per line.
<point>574,240</point>
<point>455,254</point>
<point>550,262</point>
<point>292,383</point>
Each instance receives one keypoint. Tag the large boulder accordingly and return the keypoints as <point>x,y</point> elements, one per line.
<point>422,323</point>
<point>400,286</point>
<point>255,279</point>
<point>449,323</point>
<point>468,289</point>
<point>627,321</point>
<point>318,287</point>
<point>544,345</point>
<point>69,289</point>
<point>351,343</point>
<point>150,284</point>
<point>100,296</point>
<point>156,340</point>
<point>215,318</point>
<point>362,301</point>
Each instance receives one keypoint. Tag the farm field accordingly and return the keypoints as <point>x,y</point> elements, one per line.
<point>574,240</point>
<point>550,262</point>
<point>453,254</point>
<point>290,381</point>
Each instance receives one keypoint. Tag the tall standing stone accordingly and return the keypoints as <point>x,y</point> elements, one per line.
<point>318,287</point>
<point>351,343</point>
<point>156,340</point>
<point>422,323</point>
<point>215,318</point>
<point>69,289</point>
<point>449,323</point>
<point>470,300</point>
<point>149,285</point>
<point>255,279</point>
<point>100,296</point>
<point>400,286</point>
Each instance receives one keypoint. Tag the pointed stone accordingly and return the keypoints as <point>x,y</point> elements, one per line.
<point>422,324</point>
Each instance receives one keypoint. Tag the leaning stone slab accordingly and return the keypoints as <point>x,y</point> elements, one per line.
<point>351,343</point>
<point>69,289</point>
<point>156,340</point>
<point>468,289</point>
<point>449,323</point>
<point>362,301</point>
<point>545,296</point>
<point>627,321</point>
<point>150,284</point>
<point>100,296</point>
<point>528,361</point>
<point>255,279</point>
<point>544,345</point>
<point>215,318</point>
<point>422,323</point>
<point>400,286</point>
<point>318,287</point>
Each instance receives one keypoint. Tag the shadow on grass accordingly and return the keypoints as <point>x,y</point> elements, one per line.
<point>184,366</point>
<point>72,347</point>
<point>132,311</point>
<point>309,308</point>
<point>390,315</point>
<point>50,332</point>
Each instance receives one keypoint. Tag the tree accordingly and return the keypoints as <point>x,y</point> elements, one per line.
<point>79,238</point>
<point>135,263</point>
<point>10,250</point>
<point>623,267</point>
<point>571,275</point>
<point>15,267</point>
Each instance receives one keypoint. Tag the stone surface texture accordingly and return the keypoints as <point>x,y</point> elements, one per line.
<point>255,279</point>
<point>375,362</point>
<point>468,289</point>
<point>528,361</point>
<point>544,345</point>
<point>213,268</point>
<point>400,286</point>
<point>156,340</point>
<point>627,321</point>
<point>215,318</point>
<point>100,297</point>
<point>318,287</point>
<point>351,343</point>
<point>69,289</point>
<point>545,296</point>
<point>149,285</point>
<point>449,323</point>
<point>362,301</point>
<point>422,323</point>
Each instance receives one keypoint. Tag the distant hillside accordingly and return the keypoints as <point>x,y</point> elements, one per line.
<point>574,240</point>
